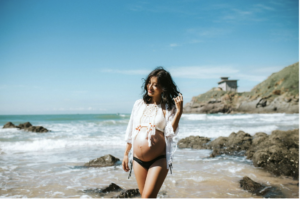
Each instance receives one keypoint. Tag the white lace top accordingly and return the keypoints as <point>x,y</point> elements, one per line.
<point>138,119</point>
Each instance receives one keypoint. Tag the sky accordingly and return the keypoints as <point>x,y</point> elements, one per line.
<point>79,57</point>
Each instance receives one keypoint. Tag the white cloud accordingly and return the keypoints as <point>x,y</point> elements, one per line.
<point>211,72</point>
<point>127,72</point>
<point>174,45</point>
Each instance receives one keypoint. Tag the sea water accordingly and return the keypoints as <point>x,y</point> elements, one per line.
<point>49,164</point>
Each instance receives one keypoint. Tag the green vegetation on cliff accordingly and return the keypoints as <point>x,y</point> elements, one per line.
<point>285,81</point>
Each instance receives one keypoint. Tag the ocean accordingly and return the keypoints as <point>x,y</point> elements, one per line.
<point>49,164</point>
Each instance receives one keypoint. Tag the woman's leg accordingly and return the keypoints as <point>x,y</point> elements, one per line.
<point>155,178</point>
<point>140,175</point>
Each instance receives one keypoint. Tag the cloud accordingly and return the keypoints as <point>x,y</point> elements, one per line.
<point>231,14</point>
<point>174,45</point>
<point>127,72</point>
<point>210,72</point>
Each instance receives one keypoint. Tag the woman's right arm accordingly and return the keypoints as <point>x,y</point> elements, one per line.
<point>125,159</point>
<point>128,138</point>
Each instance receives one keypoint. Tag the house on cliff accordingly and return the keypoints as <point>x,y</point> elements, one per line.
<point>228,85</point>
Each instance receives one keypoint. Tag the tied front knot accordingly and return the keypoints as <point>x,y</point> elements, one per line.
<point>150,132</point>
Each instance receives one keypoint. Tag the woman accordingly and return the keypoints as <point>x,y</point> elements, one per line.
<point>153,124</point>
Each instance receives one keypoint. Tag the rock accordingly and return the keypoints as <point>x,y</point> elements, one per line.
<point>260,190</point>
<point>279,153</point>
<point>27,126</point>
<point>112,187</point>
<point>256,140</point>
<point>129,193</point>
<point>24,125</point>
<point>194,142</point>
<point>37,129</point>
<point>8,125</point>
<point>235,144</point>
<point>104,161</point>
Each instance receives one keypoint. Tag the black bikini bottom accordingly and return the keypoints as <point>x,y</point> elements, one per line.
<point>146,165</point>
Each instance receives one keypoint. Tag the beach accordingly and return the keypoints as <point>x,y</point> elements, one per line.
<point>50,164</point>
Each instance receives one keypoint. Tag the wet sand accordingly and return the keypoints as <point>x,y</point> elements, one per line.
<point>195,175</point>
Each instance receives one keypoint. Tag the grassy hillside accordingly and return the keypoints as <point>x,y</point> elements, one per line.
<point>284,81</point>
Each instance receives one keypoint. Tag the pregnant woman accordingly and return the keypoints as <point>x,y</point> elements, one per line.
<point>153,124</point>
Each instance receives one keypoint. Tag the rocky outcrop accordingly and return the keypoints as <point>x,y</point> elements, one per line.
<point>279,93</point>
<point>235,144</point>
<point>260,190</point>
<point>27,126</point>
<point>277,153</point>
<point>104,161</point>
<point>194,142</point>
<point>129,193</point>
<point>9,125</point>
<point>123,193</point>
<point>110,188</point>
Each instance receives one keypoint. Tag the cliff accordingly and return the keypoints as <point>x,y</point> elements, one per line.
<point>279,93</point>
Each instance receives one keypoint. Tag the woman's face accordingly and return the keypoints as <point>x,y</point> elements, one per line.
<point>153,87</point>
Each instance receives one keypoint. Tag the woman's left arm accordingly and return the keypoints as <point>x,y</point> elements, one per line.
<point>172,126</point>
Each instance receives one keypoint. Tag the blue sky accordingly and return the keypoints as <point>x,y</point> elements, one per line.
<point>64,57</point>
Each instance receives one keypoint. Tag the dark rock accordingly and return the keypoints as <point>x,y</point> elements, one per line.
<point>129,193</point>
<point>24,125</point>
<point>279,153</point>
<point>9,125</point>
<point>260,190</point>
<point>104,161</point>
<point>27,126</point>
<point>37,129</point>
<point>235,144</point>
<point>195,142</point>
<point>111,188</point>
<point>256,140</point>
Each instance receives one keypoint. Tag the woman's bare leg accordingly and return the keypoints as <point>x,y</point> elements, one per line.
<point>140,175</point>
<point>155,178</point>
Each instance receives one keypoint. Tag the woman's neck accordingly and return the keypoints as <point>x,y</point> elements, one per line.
<point>156,100</point>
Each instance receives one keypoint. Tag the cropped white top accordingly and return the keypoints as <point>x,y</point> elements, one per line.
<point>141,115</point>
<point>153,118</point>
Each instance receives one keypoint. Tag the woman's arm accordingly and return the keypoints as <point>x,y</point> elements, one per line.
<point>176,119</point>
<point>125,159</point>
<point>173,120</point>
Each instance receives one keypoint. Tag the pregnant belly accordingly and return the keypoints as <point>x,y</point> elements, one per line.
<point>141,149</point>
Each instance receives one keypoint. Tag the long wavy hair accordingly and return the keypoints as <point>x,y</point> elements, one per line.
<point>167,84</point>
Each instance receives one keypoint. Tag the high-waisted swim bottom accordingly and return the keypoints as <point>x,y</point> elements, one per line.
<point>146,165</point>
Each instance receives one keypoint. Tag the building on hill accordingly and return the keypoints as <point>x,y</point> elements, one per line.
<point>228,85</point>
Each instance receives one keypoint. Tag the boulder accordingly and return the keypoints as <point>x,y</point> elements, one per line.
<point>194,142</point>
<point>37,129</point>
<point>260,190</point>
<point>104,161</point>
<point>128,193</point>
<point>24,125</point>
<point>279,153</point>
<point>110,188</point>
<point>235,144</point>
<point>27,126</point>
<point>8,125</point>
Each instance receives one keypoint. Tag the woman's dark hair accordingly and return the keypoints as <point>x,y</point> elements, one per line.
<point>167,84</point>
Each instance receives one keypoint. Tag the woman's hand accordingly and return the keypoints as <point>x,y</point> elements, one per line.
<point>125,163</point>
<point>179,103</point>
